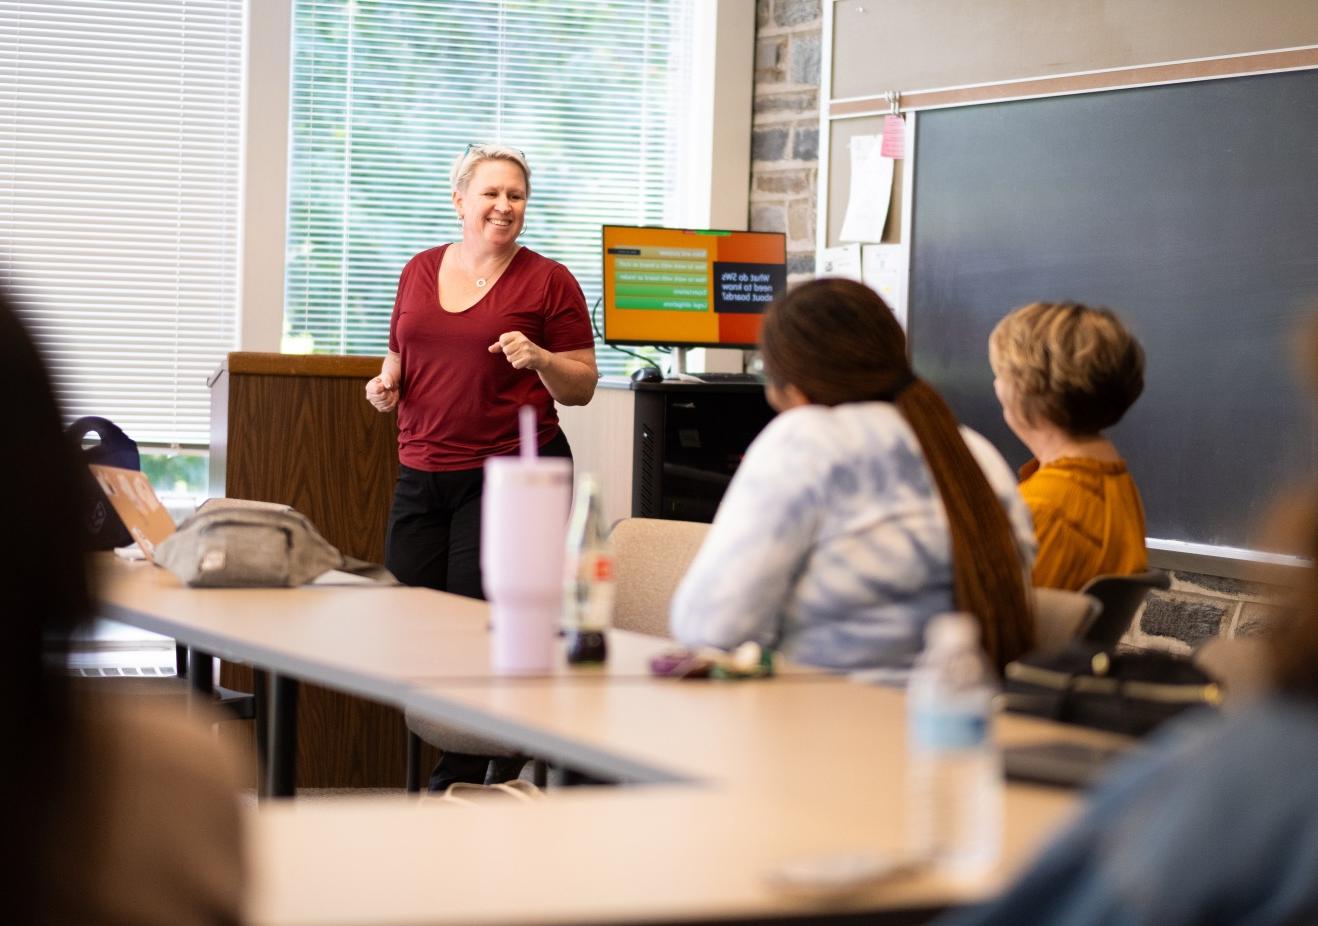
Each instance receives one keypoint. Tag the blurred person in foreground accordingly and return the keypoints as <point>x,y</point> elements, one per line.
<point>862,510</point>
<point>117,810</point>
<point>1214,820</point>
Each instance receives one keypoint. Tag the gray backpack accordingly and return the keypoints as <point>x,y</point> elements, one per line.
<point>255,547</point>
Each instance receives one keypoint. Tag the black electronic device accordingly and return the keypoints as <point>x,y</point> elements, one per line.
<point>749,379</point>
<point>686,287</point>
<point>647,374</point>
<point>689,440</point>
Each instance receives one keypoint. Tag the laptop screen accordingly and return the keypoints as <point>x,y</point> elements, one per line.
<point>137,505</point>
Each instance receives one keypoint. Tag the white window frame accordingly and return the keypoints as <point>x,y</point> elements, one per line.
<point>713,188</point>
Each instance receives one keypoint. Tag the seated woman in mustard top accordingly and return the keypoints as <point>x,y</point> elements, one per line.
<point>1064,373</point>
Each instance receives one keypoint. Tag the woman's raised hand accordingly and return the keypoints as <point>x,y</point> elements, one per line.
<point>382,392</point>
<point>520,351</point>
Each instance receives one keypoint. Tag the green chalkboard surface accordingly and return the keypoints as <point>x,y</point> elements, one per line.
<point>1192,210</point>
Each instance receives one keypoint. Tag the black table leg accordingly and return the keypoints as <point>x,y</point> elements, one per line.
<point>281,767</point>
<point>201,673</point>
<point>180,660</point>
<point>413,763</point>
<point>261,717</point>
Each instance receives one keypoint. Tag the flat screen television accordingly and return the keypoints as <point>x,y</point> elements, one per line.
<point>683,287</point>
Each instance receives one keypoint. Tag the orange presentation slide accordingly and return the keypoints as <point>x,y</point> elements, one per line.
<point>686,287</point>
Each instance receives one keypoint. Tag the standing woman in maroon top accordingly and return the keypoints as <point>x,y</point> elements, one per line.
<point>480,328</point>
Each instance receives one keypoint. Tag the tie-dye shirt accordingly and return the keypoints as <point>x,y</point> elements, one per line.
<point>832,543</point>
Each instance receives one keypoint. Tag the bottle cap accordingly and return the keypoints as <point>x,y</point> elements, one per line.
<point>957,629</point>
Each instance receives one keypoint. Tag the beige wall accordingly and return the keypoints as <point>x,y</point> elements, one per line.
<point>905,46</point>
<point>601,435</point>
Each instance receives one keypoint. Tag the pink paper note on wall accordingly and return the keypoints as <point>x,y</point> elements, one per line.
<point>894,137</point>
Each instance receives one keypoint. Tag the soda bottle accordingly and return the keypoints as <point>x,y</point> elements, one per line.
<point>588,581</point>
<point>955,771</point>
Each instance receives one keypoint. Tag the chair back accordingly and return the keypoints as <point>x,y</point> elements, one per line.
<point>1059,614</point>
<point>1241,665</point>
<point>650,556</point>
<point>1121,597</point>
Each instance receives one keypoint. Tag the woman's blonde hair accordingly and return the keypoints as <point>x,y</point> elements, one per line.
<point>1068,364</point>
<point>465,164</point>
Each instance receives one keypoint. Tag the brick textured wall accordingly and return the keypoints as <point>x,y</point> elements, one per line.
<point>785,127</point>
<point>784,177</point>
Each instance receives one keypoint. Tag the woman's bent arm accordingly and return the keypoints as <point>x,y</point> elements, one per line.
<point>383,390</point>
<point>570,375</point>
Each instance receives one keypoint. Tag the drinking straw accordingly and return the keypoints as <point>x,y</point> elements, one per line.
<point>526,426</point>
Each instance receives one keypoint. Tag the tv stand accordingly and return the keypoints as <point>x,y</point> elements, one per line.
<point>679,373</point>
<point>689,439</point>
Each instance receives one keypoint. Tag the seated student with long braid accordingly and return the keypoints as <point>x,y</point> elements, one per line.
<point>1065,373</point>
<point>862,510</point>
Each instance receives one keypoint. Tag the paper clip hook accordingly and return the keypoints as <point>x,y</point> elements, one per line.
<point>894,99</point>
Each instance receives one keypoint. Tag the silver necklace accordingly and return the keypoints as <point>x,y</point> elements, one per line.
<point>480,281</point>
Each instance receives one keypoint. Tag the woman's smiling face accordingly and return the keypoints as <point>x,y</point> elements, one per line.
<point>493,206</point>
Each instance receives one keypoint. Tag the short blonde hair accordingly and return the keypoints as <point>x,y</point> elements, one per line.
<point>465,164</point>
<point>1071,365</point>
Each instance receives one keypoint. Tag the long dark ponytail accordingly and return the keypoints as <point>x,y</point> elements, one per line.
<point>836,341</point>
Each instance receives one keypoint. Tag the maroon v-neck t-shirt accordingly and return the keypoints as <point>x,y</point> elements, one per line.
<point>459,402</point>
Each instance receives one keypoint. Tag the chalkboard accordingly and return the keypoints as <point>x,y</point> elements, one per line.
<point>1192,210</point>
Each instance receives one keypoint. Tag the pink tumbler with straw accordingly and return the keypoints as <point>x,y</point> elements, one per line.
<point>524,510</point>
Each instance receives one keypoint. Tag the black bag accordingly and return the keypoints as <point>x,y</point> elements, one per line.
<point>1125,692</point>
<point>116,448</point>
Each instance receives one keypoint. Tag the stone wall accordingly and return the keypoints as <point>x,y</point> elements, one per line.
<point>784,180</point>
<point>785,127</point>
<point>1199,607</point>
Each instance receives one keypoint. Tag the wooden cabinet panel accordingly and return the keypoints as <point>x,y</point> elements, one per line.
<point>298,430</point>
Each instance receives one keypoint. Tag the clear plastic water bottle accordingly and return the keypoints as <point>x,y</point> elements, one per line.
<point>955,772</point>
<point>588,586</point>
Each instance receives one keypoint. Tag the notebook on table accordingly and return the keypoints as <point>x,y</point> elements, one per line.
<point>1060,763</point>
<point>138,506</point>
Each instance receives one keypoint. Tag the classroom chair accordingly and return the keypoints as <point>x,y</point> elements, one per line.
<point>1121,597</point>
<point>1059,614</point>
<point>650,557</point>
<point>1241,665</point>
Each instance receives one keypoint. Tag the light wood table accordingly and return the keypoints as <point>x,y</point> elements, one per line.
<point>773,773</point>
<point>374,641</point>
<point>370,641</point>
<point>741,775</point>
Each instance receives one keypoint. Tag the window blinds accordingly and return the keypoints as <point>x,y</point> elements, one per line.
<point>119,157</point>
<point>386,94</point>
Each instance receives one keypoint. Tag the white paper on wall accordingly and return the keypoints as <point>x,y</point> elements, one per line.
<point>840,261</point>
<point>871,189</point>
<point>883,269</point>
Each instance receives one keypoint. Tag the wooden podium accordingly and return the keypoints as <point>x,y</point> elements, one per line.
<point>298,430</point>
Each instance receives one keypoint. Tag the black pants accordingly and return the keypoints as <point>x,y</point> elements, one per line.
<point>434,537</point>
<point>434,541</point>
